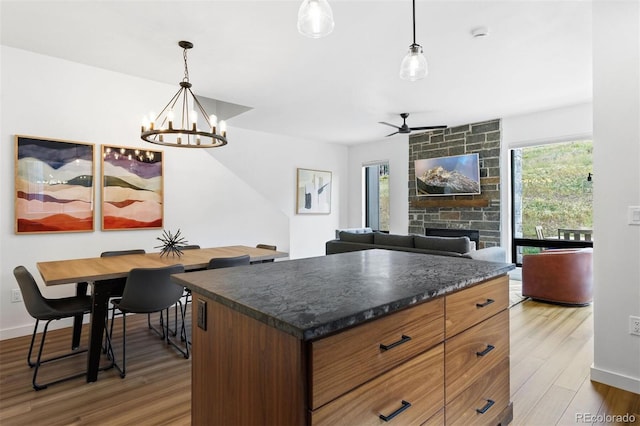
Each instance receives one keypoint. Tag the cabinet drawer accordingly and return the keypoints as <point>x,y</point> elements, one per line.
<point>418,382</point>
<point>467,308</point>
<point>490,394</point>
<point>436,420</point>
<point>345,360</point>
<point>469,355</point>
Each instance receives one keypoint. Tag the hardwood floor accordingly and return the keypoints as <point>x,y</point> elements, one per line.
<point>551,353</point>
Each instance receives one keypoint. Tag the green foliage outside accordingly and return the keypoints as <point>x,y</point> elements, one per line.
<point>384,202</point>
<point>555,190</point>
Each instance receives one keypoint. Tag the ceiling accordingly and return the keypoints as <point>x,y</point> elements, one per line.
<point>537,56</point>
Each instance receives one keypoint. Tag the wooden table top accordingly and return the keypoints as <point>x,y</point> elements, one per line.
<point>102,268</point>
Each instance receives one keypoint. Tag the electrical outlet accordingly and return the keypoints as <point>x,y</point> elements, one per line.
<point>634,325</point>
<point>16,296</point>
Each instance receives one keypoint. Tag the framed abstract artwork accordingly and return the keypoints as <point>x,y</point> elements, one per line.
<point>313,192</point>
<point>132,188</point>
<point>53,185</point>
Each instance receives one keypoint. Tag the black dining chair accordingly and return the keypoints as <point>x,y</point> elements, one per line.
<point>43,309</point>
<point>227,262</point>
<point>268,247</point>
<point>116,285</point>
<point>146,291</point>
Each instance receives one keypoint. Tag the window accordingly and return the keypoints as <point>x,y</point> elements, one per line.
<point>376,196</point>
<point>552,196</point>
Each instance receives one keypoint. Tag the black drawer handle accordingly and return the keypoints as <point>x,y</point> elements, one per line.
<point>405,405</point>
<point>487,303</point>
<point>486,351</point>
<point>403,339</point>
<point>486,407</point>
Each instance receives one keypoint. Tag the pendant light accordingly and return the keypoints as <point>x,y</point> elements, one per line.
<point>177,123</point>
<point>315,18</point>
<point>414,65</point>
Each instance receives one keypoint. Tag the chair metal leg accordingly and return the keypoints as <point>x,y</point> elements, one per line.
<point>39,361</point>
<point>104,343</point>
<point>185,351</point>
<point>109,337</point>
<point>33,338</point>
<point>124,345</point>
<point>161,334</point>
<point>164,333</point>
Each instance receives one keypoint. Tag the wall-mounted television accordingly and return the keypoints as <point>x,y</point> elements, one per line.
<point>454,175</point>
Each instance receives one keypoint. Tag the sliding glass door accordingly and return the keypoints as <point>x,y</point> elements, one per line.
<point>552,188</point>
<point>376,196</point>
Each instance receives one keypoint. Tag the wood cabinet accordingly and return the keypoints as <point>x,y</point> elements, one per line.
<point>477,355</point>
<point>437,362</point>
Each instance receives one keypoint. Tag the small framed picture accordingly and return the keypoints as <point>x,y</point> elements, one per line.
<point>313,192</point>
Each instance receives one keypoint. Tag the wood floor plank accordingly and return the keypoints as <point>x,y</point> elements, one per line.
<point>549,408</point>
<point>587,400</point>
<point>551,356</point>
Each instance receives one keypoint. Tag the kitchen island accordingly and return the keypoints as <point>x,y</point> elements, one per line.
<point>363,337</point>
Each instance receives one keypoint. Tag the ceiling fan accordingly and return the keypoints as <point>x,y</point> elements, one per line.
<point>406,129</point>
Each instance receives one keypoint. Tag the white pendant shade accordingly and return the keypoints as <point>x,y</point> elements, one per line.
<point>315,18</point>
<point>414,65</point>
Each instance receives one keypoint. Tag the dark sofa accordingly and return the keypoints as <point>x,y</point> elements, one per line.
<point>364,239</point>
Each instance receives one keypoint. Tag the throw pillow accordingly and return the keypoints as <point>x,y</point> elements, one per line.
<point>452,244</point>
<point>353,237</point>
<point>393,240</point>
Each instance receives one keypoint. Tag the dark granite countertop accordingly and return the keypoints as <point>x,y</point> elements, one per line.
<point>312,297</point>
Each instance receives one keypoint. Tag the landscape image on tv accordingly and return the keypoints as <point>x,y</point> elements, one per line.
<point>454,175</point>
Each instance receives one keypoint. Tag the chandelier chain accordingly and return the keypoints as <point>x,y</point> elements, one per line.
<point>186,67</point>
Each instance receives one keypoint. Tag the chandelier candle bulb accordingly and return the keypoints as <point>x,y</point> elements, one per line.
<point>170,117</point>
<point>223,128</point>
<point>194,119</point>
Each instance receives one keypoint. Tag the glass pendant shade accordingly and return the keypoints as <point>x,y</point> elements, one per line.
<point>315,18</point>
<point>414,65</point>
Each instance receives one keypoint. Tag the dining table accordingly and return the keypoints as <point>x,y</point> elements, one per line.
<point>99,272</point>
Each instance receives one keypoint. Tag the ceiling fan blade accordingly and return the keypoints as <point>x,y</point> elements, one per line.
<point>391,134</point>
<point>389,124</point>
<point>428,128</point>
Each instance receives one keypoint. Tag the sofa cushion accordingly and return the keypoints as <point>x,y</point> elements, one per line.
<point>383,239</point>
<point>353,237</point>
<point>353,231</point>
<point>453,244</point>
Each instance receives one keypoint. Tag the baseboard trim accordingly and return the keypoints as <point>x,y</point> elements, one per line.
<point>617,380</point>
<point>26,330</point>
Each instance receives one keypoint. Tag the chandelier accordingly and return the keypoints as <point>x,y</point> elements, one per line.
<point>177,123</point>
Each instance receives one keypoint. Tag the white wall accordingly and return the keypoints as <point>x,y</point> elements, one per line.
<point>272,172</point>
<point>616,168</point>
<point>244,193</point>
<point>396,151</point>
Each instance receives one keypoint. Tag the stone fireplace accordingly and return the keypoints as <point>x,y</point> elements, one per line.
<point>462,212</point>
